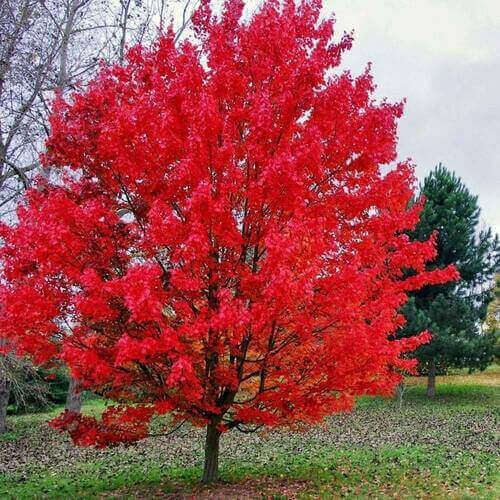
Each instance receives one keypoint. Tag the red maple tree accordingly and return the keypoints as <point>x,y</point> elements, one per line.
<point>221,243</point>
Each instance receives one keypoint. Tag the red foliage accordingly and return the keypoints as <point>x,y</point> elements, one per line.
<point>258,270</point>
<point>118,424</point>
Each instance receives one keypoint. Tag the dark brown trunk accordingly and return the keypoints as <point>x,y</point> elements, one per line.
<point>211,469</point>
<point>431,380</point>
<point>4,401</point>
<point>74,397</point>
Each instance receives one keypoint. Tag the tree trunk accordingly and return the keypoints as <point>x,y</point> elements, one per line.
<point>74,397</point>
<point>4,401</point>
<point>400,390</point>
<point>431,381</point>
<point>211,469</point>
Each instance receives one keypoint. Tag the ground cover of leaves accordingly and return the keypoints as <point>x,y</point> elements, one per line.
<point>447,447</point>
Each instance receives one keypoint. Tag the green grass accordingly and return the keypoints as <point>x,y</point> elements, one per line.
<point>450,397</point>
<point>447,447</point>
<point>416,470</point>
<point>408,471</point>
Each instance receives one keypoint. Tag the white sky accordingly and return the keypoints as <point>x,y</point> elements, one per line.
<point>444,57</point>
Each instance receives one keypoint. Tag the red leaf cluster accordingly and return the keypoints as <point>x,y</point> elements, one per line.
<point>118,424</point>
<point>222,242</point>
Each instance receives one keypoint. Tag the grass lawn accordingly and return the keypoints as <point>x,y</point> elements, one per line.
<point>447,447</point>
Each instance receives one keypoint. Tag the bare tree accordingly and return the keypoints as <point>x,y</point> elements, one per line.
<point>49,46</point>
<point>23,73</point>
<point>40,41</point>
<point>35,45</point>
<point>22,76</point>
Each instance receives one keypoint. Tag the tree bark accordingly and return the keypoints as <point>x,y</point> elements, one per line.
<point>74,397</point>
<point>4,401</point>
<point>431,380</point>
<point>400,390</point>
<point>211,469</point>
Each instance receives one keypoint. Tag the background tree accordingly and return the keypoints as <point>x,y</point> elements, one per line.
<point>221,243</point>
<point>56,45</point>
<point>454,311</point>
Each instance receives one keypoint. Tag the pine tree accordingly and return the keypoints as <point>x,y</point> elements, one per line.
<point>453,312</point>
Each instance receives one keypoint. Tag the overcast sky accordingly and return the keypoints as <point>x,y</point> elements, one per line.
<point>444,57</point>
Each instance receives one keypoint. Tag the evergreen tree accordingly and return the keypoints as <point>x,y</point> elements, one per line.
<point>453,312</point>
